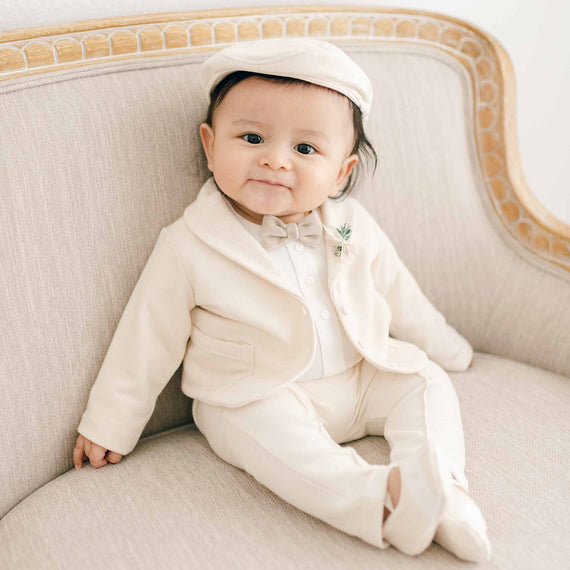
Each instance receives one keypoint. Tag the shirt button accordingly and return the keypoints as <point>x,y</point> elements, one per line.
<point>309,280</point>
<point>325,314</point>
<point>299,246</point>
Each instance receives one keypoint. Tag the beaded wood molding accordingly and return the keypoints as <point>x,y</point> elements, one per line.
<point>38,50</point>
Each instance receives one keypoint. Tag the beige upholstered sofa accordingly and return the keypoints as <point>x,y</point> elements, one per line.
<point>99,149</point>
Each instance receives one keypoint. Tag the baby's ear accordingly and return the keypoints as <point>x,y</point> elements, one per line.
<point>207,136</point>
<point>345,170</point>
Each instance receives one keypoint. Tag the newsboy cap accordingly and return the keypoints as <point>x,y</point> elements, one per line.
<point>311,60</point>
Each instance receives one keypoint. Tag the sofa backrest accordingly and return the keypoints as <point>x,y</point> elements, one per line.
<point>98,154</point>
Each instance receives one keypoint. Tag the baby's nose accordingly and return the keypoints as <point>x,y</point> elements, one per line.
<point>276,157</point>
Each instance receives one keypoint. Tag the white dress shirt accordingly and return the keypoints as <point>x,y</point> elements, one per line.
<point>305,268</point>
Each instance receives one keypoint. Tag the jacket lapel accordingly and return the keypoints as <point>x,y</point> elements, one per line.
<point>333,216</point>
<point>211,219</point>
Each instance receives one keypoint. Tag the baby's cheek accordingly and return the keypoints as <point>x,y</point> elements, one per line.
<point>224,180</point>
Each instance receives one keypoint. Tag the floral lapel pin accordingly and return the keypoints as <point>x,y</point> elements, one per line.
<point>344,231</point>
<point>340,239</point>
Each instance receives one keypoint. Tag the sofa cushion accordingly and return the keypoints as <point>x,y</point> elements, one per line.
<point>172,503</point>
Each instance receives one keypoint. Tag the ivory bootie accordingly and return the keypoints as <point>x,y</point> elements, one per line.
<point>462,529</point>
<point>424,497</point>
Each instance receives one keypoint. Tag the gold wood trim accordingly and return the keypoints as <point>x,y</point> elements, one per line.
<point>38,50</point>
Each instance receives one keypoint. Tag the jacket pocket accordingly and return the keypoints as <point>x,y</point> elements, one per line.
<point>216,364</point>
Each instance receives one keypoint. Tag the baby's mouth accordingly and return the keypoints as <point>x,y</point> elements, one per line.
<point>273,183</point>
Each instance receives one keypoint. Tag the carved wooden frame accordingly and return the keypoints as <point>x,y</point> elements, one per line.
<point>37,50</point>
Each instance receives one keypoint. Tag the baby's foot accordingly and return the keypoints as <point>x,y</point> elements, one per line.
<point>463,530</point>
<point>418,493</point>
<point>392,491</point>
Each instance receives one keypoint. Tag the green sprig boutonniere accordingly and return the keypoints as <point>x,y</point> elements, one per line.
<point>339,237</point>
<point>344,231</point>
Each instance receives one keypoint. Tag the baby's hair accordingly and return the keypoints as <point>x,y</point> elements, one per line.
<point>362,146</point>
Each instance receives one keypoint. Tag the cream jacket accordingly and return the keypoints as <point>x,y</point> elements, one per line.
<point>211,298</point>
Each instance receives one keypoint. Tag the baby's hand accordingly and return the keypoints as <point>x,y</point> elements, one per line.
<point>97,455</point>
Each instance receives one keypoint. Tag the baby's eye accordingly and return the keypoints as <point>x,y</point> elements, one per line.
<point>305,148</point>
<point>252,138</point>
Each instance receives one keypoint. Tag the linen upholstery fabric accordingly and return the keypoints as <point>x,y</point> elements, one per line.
<point>95,160</point>
<point>92,165</point>
<point>182,507</point>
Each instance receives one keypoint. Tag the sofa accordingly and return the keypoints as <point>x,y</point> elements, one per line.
<point>99,149</point>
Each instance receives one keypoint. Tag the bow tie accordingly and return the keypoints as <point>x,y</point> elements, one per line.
<point>274,231</point>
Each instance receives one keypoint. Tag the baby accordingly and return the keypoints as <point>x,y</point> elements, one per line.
<point>298,326</point>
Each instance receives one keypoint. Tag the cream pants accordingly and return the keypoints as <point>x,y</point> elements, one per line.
<point>289,441</point>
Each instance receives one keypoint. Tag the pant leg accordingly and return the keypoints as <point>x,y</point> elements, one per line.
<point>408,408</point>
<point>282,443</point>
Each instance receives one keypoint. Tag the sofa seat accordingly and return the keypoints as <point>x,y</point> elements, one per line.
<point>172,503</point>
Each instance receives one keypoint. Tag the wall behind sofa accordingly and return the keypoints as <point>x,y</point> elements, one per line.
<point>532,31</point>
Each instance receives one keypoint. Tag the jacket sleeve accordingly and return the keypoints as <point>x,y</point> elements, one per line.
<point>414,318</point>
<point>145,351</point>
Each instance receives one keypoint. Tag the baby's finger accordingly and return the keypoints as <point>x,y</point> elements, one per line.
<point>79,452</point>
<point>113,457</point>
<point>96,455</point>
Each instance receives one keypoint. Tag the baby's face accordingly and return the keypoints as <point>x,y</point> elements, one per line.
<point>279,149</point>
